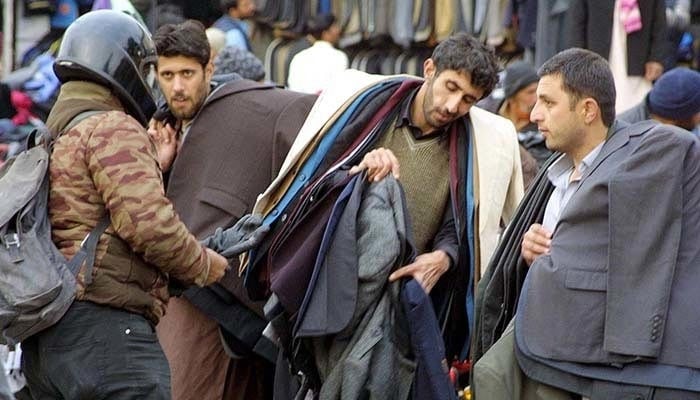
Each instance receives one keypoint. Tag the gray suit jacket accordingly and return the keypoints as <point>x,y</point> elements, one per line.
<point>369,358</point>
<point>621,279</point>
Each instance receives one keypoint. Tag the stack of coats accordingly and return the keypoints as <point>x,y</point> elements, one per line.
<point>335,240</point>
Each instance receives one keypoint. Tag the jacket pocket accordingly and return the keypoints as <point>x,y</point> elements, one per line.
<point>223,200</point>
<point>579,279</point>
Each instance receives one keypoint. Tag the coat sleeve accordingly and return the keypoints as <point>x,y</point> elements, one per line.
<point>122,162</point>
<point>659,47</point>
<point>646,209</point>
<point>576,24</point>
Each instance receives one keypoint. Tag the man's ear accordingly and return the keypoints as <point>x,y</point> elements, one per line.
<point>428,68</point>
<point>590,110</point>
<point>209,70</point>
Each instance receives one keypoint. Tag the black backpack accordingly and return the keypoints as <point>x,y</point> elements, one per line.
<point>37,283</point>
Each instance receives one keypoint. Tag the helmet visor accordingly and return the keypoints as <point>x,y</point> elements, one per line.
<point>149,74</point>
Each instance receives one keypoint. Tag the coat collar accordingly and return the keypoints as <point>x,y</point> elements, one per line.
<point>618,137</point>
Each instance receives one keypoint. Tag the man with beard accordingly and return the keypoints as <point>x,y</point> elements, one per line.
<point>460,168</point>
<point>230,139</point>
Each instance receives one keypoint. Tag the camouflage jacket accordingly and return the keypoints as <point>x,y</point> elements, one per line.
<point>107,163</point>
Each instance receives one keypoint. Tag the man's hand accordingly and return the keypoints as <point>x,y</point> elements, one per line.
<point>653,70</point>
<point>378,163</point>
<point>165,138</point>
<point>217,267</point>
<point>536,242</point>
<point>426,269</point>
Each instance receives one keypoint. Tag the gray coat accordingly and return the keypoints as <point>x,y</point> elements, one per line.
<point>623,259</point>
<point>369,358</point>
<point>638,113</point>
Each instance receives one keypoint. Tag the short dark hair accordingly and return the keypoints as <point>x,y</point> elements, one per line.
<point>584,74</point>
<point>225,5</point>
<point>462,52</point>
<point>187,39</point>
<point>321,22</point>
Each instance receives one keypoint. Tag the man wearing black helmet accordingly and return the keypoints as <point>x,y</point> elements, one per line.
<point>104,169</point>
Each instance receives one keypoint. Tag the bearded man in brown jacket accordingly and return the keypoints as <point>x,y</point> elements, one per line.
<point>231,136</point>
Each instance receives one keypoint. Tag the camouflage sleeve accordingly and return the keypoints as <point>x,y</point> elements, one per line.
<point>122,161</point>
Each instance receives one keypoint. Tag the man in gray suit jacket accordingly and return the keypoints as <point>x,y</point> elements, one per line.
<point>596,310</point>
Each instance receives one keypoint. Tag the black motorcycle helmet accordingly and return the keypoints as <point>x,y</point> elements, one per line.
<point>112,49</point>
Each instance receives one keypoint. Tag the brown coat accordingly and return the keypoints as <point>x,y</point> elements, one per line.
<point>233,150</point>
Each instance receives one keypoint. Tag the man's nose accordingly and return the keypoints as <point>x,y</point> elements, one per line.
<point>535,114</point>
<point>453,104</point>
<point>178,84</point>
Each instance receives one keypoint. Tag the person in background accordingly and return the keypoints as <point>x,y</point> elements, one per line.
<point>217,40</point>
<point>312,69</point>
<point>233,24</point>
<point>234,60</point>
<point>630,34</point>
<point>678,21</point>
<point>674,100</point>
<point>519,96</point>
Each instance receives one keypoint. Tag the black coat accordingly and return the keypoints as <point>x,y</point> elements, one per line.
<point>590,27</point>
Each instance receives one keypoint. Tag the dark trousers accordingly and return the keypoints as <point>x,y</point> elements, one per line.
<point>96,352</point>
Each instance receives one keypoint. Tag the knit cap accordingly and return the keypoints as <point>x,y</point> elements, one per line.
<point>518,75</point>
<point>676,94</point>
<point>233,59</point>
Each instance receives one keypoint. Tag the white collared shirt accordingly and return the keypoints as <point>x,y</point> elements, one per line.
<point>559,174</point>
<point>314,68</point>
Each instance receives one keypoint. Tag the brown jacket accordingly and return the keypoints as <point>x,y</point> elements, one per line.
<point>107,163</point>
<point>233,150</point>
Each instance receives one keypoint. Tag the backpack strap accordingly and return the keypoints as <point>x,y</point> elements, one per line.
<point>78,119</point>
<point>88,249</point>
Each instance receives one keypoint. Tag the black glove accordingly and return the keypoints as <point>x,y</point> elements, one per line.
<point>247,233</point>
